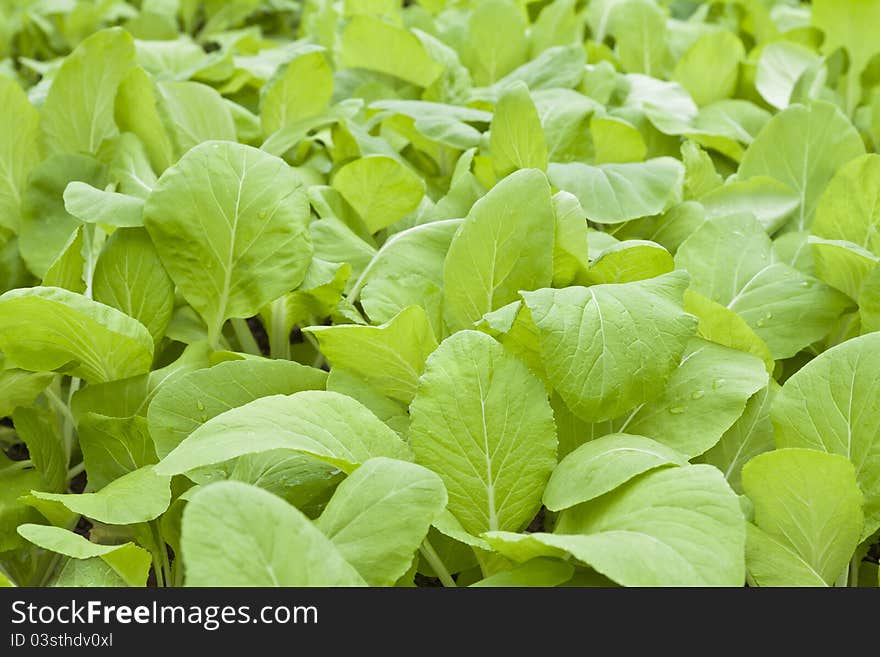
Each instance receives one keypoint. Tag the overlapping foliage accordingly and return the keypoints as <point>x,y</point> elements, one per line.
<point>509,292</point>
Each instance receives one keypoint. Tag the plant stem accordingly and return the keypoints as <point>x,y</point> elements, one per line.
<point>245,337</point>
<point>17,465</point>
<point>433,558</point>
<point>854,567</point>
<point>320,361</point>
<point>75,470</point>
<point>279,338</point>
<point>68,421</point>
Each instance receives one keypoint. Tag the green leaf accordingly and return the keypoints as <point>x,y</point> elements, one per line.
<point>849,209</point>
<point>686,518</point>
<point>407,271</point>
<point>389,357</point>
<point>591,339</point>
<point>129,276</point>
<point>78,113</point>
<point>722,326</point>
<point>139,496</point>
<point>16,481</point>
<point>113,446</point>
<point>803,147</point>
<point>48,328</point>
<point>186,402</point>
<point>92,572</point>
<point>95,206</point>
<point>629,261</point>
<point>832,405</point>
<point>496,41</point>
<point>68,269</point>
<point>329,426</point>
<point>375,45</point>
<point>709,68</point>
<point>193,113</point>
<point>481,421</point>
<point>20,388</point>
<point>128,561</point>
<point>731,262</point>
<point>381,190</point>
<point>869,302</point>
<point>46,226</point>
<point>19,149</point>
<point>702,400</point>
<point>570,253</point>
<point>808,503</point>
<point>843,265</point>
<point>535,572</point>
<point>771,201</point>
<point>614,193</point>
<point>779,68</point>
<point>516,136</point>
<point>848,24</point>
<point>303,90</point>
<point>616,141</point>
<point>639,29</point>
<point>45,445</point>
<point>230,225</point>
<point>239,535</point>
<point>136,112</point>
<point>488,262</point>
<point>750,435</point>
<point>602,465</point>
<point>401,498</point>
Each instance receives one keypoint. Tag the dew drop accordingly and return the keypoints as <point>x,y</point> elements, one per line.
<point>806,284</point>
<point>760,323</point>
<point>697,394</point>
<point>262,214</point>
<point>677,410</point>
<point>769,316</point>
<point>717,383</point>
<point>200,405</point>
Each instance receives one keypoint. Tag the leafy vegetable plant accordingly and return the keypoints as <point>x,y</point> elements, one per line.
<point>497,293</point>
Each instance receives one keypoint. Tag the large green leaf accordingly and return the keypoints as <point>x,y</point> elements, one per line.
<point>808,507</point>
<point>129,276</point>
<point>373,44</point>
<point>602,465</point>
<point>389,357</point>
<point>19,149</point>
<point>48,328</point>
<point>380,514</point>
<point>78,113</point>
<point>114,446</point>
<point>750,435</point>
<point>139,496</point>
<point>833,405</point>
<point>686,518</point>
<point>614,193</point>
<point>382,190</point>
<point>849,209</point>
<point>495,42</point>
<point>329,426</point>
<point>235,534</point>
<point>230,225</point>
<point>803,147</point>
<point>702,400</point>
<point>731,261</point>
<point>516,136</point>
<point>488,261</point>
<point>849,24</point>
<point>185,403</point>
<point>481,420</point>
<point>608,348</point>
<point>303,90</point>
<point>128,561</point>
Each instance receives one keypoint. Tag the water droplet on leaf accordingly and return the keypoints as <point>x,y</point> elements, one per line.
<point>717,383</point>
<point>677,410</point>
<point>697,394</point>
